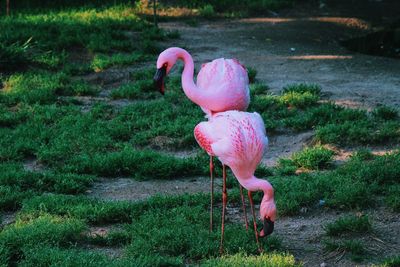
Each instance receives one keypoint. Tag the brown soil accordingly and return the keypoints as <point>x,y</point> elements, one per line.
<point>284,145</point>
<point>103,231</point>
<point>33,165</point>
<point>7,218</point>
<point>129,189</point>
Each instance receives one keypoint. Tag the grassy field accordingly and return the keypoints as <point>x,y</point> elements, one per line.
<point>45,58</point>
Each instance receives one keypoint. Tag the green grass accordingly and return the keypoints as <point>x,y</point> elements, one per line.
<point>42,88</point>
<point>14,55</point>
<point>354,247</point>
<point>391,262</point>
<point>97,30</point>
<point>16,184</point>
<point>355,184</point>
<point>143,89</point>
<point>385,113</point>
<point>252,73</point>
<point>47,181</point>
<point>101,61</point>
<point>302,88</point>
<point>349,225</point>
<point>236,7</point>
<point>393,197</point>
<point>43,230</point>
<point>286,167</point>
<point>363,154</point>
<point>258,89</point>
<point>263,260</point>
<point>207,11</point>
<point>313,158</point>
<point>184,221</point>
<point>139,164</point>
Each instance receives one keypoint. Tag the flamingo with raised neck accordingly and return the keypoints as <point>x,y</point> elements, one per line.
<point>222,85</point>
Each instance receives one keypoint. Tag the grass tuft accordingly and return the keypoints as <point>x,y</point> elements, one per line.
<point>302,88</point>
<point>385,113</point>
<point>207,11</point>
<point>15,56</point>
<point>391,262</point>
<point>101,61</point>
<point>354,247</point>
<point>252,72</point>
<point>313,158</point>
<point>45,229</point>
<point>350,224</point>
<point>393,197</point>
<point>266,260</point>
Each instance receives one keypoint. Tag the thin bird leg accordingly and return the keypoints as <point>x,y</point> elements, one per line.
<point>254,220</point>
<point>244,207</point>
<point>212,192</point>
<point>224,199</point>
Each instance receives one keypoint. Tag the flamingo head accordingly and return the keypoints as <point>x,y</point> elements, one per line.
<point>166,60</point>
<point>268,215</point>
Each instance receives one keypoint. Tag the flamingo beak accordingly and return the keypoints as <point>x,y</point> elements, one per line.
<point>159,78</point>
<point>268,227</point>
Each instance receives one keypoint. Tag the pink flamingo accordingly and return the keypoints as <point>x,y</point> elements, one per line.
<point>222,85</point>
<point>239,140</point>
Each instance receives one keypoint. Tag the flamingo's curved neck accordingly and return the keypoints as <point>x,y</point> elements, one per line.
<point>253,183</point>
<point>189,87</point>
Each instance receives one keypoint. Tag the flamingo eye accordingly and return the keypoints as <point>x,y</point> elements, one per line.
<point>165,65</point>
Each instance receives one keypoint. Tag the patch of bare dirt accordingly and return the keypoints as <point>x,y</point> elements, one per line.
<point>103,231</point>
<point>33,165</point>
<point>184,153</point>
<point>112,78</point>
<point>132,190</point>
<point>284,145</point>
<point>87,102</point>
<point>7,218</point>
<point>302,235</point>
<point>344,154</point>
<point>111,252</point>
<point>108,80</point>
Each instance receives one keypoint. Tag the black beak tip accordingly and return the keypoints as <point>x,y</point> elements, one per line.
<point>268,227</point>
<point>159,79</point>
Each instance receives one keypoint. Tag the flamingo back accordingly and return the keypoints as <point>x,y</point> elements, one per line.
<point>227,79</point>
<point>238,139</point>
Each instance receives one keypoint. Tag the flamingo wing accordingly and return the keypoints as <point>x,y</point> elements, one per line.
<point>203,136</point>
<point>244,141</point>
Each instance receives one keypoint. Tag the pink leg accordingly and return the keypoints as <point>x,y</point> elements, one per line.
<point>212,192</point>
<point>254,220</point>
<point>224,199</point>
<point>244,207</point>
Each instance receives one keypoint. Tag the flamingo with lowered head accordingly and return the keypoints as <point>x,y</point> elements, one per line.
<point>239,141</point>
<point>222,85</point>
